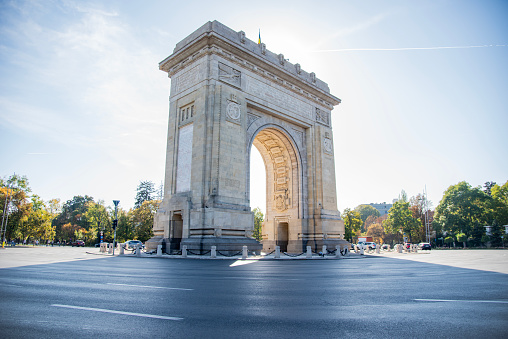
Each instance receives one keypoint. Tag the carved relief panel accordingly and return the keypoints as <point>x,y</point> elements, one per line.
<point>229,75</point>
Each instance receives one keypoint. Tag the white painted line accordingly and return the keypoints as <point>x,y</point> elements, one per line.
<point>242,262</point>
<point>465,301</point>
<point>117,312</point>
<point>144,286</point>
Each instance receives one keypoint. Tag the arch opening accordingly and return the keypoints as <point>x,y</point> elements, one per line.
<point>282,170</point>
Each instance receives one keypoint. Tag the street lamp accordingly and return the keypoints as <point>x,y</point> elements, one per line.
<point>115,223</point>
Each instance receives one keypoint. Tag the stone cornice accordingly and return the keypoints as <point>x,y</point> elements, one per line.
<point>215,38</point>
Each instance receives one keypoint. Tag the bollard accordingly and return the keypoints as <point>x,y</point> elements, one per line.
<point>244,252</point>
<point>309,252</point>
<point>110,248</point>
<point>362,251</point>
<point>184,251</point>
<point>213,252</point>
<point>399,248</point>
<point>338,255</point>
<point>277,252</point>
<point>378,250</point>
<point>324,250</point>
<point>159,250</point>
<point>355,248</point>
<point>122,248</point>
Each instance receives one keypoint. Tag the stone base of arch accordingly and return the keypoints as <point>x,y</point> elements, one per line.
<point>227,246</point>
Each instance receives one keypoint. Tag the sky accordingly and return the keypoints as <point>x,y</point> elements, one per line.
<point>84,107</point>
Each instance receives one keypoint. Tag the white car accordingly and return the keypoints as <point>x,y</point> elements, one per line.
<point>132,244</point>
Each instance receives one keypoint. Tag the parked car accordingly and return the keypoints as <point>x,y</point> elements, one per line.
<point>424,246</point>
<point>408,245</point>
<point>78,243</point>
<point>367,245</point>
<point>132,244</point>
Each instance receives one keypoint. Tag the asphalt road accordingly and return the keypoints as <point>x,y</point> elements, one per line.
<point>151,297</point>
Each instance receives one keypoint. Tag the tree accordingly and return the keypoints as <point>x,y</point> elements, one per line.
<point>143,217</point>
<point>401,221</point>
<point>500,203</point>
<point>15,203</point>
<point>461,237</point>
<point>462,206</point>
<point>488,187</point>
<point>497,232</point>
<point>125,229</point>
<point>418,206</point>
<point>258,223</point>
<point>501,192</point>
<point>365,212</point>
<point>97,218</point>
<point>376,231</point>
<point>145,192</point>
<point>352,223</point>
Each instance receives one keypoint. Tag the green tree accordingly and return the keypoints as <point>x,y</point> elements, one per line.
<point>258,224</point>
<point>400,220</point>
<point>97,218</point>
<point>145,192</point>
<point>462,206</point>
<point>461,237</point>
<point>501,192</point>
<point>143,219</point>
<point>73,212</point>
<point>125,229</point>
<point>365,212</point>
<point>488,187</point>
<point>497,232</point>
<point>448,240</point>
<point>500,203</point>
<point>352,223</point>
<point>477,233</point>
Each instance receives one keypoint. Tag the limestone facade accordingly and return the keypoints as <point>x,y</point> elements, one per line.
<point>228,94</point>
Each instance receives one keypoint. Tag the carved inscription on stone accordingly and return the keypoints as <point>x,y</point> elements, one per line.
<point>229,75</point>
<point>280,98</point>
<point>187,79</point>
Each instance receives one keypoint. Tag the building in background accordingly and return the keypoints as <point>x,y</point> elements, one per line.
<point>383,207</point>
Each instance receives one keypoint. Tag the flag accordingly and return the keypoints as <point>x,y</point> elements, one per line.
<point>259,39</point>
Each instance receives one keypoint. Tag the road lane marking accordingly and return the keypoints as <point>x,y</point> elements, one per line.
<point>145,286</point>
<point>242,262</point>
<point>465,301</point>
<point>117,312</point>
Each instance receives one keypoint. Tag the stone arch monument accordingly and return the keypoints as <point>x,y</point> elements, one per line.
<point>228,94</point>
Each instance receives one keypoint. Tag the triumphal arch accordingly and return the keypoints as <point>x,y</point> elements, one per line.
<point>229,93</point>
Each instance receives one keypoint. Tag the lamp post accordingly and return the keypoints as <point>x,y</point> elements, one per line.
<point>5,215</point>
<point>115,223</point>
